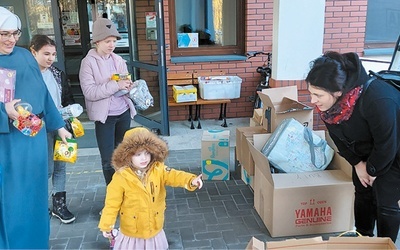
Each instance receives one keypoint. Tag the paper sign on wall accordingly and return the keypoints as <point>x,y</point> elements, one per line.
<point>188,40</point>
<point>151,20</point>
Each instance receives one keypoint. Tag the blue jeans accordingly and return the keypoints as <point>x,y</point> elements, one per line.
<point>108,136</point>
<point>56,171</point>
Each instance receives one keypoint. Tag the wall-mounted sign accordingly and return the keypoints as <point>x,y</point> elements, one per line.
<point>151,26</point>
<point>188,40</point>
<point>151,20</point>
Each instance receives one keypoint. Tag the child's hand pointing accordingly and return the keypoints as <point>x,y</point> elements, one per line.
<point>197,182</point>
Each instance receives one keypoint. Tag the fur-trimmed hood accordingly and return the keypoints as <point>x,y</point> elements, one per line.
<point>139,139</point>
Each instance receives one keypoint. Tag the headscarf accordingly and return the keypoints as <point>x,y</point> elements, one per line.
<point>8,20</point>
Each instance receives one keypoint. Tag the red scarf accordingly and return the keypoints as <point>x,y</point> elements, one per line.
<point>343,108</point>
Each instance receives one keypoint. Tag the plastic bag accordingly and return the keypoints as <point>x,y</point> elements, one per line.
<point>294,148</point>
<point>75,127</point>
<point>29,124</point>
<point>140,95</point>
<point>73,110</point>
<point>65,152</point>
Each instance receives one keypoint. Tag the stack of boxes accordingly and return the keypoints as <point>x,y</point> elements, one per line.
<point>293,203</point>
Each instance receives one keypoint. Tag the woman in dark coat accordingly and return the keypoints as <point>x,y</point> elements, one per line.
<point>364,123</point>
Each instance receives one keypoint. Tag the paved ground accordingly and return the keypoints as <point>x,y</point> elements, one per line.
<point>219,216</point>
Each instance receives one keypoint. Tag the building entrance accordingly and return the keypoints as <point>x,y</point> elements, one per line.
<point>69,23</point>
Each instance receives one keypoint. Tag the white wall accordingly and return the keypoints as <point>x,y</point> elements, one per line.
<point>298,31</point>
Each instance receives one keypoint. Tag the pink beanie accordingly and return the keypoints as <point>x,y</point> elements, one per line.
<point>103,28</point>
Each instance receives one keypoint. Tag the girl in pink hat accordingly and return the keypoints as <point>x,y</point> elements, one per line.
<point>111,111</point>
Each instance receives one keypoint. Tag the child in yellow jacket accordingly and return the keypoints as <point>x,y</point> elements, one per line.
<point>137,191</point>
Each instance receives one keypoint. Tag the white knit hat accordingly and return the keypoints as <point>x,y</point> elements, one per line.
<point>8,20</point>
<point>103,28</point>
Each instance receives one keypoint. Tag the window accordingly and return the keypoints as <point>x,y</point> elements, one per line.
<point>116,12</point>
<point>382,30</point>
<point>206,27</point>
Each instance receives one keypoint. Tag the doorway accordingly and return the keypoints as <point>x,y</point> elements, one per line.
<point>142,46</point>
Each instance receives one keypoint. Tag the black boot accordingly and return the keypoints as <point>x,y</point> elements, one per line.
<point>60,209</point>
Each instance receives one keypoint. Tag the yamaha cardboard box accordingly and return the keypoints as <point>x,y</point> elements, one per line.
<point>281,103</point>
<point>303,203</point>
<point>364,243</point>
<point>215,155</point>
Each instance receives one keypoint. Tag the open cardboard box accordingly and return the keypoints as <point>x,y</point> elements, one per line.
<point>302,203</point>
<point>242,148</point>
<point>366,243</point>
<point>282,103</point>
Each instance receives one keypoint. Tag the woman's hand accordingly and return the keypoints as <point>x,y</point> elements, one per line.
<point>197,182</point>
<point>361,170</point>
<point>124,84</point>
<point>10,109</point>
<point>64,134</point>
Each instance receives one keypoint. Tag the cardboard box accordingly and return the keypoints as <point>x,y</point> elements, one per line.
<point>253,122</point>
<point>215,155</point>
<point>246,178</point>
<point>184,93</point>
<point>219,87</point>
<point>319,243</point>
<point>242,148</point>
<point>258,115</point>
<point>303,203</point>
<point>281,103</point>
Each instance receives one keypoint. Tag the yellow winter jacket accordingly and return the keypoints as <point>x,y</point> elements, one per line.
<point>141,206</point>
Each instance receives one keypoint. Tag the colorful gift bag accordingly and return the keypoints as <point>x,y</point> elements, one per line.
<point>7,84</point>
<point>65,152</point>
<point>75,127</point>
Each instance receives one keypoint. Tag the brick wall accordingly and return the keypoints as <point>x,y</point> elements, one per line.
<point>344,32</point>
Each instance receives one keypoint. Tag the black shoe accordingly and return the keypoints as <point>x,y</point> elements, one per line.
<point>60,209</point>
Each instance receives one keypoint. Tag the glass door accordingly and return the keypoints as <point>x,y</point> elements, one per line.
<point>37,18</point>
<point>73,18</point>
<point>147,59</point>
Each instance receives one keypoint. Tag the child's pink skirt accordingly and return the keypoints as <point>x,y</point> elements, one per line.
<point>123,242</point>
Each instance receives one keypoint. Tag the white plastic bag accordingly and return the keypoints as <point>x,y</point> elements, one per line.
<point>72,110</point>
<point>140,95</point>
<point>293,148</point>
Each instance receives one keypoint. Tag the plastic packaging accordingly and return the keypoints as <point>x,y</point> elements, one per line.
<point>73,110</point>
<point>29,124</point>
<point>117,77</point>
<point>75,127</point>
<point>65,152</point>
<point>140,95</point>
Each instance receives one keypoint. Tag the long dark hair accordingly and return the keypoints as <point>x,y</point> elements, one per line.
<point>331,71</point>
<point>38,41</point>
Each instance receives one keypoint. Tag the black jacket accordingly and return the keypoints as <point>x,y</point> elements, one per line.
<point>61,79</point>
<point>372,135</point>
